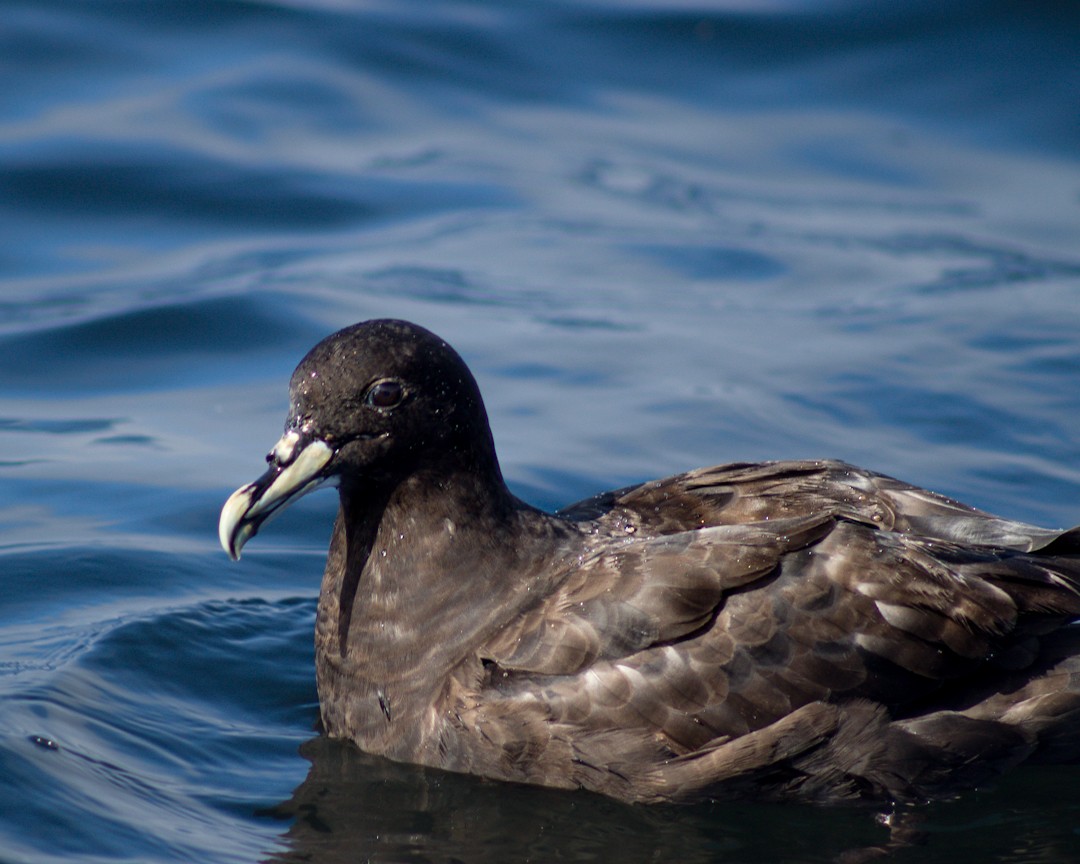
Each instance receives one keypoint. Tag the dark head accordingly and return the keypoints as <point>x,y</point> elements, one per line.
<point>369,406</point>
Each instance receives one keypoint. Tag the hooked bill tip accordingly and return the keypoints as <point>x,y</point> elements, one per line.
<point>251,505</point>
<point>233,531</point>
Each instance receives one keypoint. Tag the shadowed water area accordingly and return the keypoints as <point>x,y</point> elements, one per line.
<point>663,235</point>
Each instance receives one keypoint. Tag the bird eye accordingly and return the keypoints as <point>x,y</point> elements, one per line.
<point>385,394</point>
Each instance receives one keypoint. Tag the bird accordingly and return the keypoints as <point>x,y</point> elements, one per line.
<point>787,630</point>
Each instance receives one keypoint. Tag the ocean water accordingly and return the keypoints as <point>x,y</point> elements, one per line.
<point>664,235</point>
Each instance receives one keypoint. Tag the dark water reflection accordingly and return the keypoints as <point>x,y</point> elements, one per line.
<point>355,807</point>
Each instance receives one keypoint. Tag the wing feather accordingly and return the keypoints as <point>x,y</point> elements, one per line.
<point>644,593</point>
<point>725,600</point>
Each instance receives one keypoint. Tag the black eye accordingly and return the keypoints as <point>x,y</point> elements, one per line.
<point>385,394</point>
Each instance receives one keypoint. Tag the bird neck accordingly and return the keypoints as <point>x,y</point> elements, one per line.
<point>416,580</point>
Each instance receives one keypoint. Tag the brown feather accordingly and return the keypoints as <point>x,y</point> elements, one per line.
<point>804,630</point>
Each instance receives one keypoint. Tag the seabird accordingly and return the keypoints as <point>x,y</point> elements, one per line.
<point>801,630</point>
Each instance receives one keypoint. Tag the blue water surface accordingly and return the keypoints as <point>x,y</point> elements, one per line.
<point>664,234</point>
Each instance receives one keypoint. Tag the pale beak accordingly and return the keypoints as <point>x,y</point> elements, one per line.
<point>296,468</point>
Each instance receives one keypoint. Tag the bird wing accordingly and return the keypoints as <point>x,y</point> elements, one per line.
<point>638,593</point>
<point>742,592</point>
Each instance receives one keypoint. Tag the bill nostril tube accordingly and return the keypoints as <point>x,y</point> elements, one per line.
<point>285,449</point>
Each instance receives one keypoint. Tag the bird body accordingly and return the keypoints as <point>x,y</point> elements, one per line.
<point>790,630</point>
